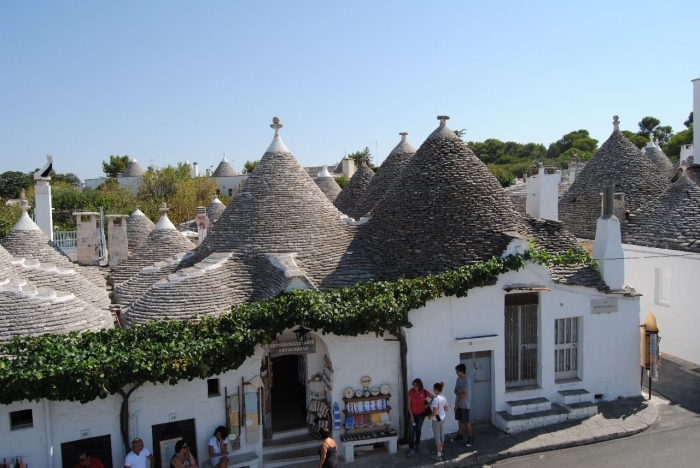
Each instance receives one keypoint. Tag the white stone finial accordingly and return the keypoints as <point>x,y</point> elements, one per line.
<point>163,208</point>
<point>24,204</point>
<point>403,136</point>
<point>443,119</point>
<point>616,123</point>
<point>276,125</point>
<point>656,142</point>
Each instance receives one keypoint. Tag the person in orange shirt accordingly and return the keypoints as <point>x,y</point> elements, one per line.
<point>87,461</point>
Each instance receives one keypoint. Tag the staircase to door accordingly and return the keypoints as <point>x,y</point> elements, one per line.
<point>295,447</point>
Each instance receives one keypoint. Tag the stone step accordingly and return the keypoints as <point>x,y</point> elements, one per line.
<point>303,430</point>
<point>582,410</point>
<point>512,424</point>
<point>530,405</point>
<point>284,444</point>
<point>291,457</point>
<point>567,397</point>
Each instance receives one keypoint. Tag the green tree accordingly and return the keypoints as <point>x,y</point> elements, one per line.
<point>68,178</point>
<point>673,147</point>
<point>640,141</point>
<point>649,125</point>
<point>461,133</point>
<point>342,181</point>
<point>579,139</point>
<point>9,214</point>
<point>115,166</point>
<point>13,182</point>
<point>689,123</point>
<point>358,156</point>
<point>249,166</point>
<point>504,176</point>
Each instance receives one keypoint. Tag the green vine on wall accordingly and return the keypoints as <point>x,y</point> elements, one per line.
<point>91,365</point>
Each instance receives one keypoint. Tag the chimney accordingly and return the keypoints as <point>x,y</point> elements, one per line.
<point>202,221</point>
<point>117,244</point>
<point>607,249</point>
<point>543,193</point>
<point>43,212</point>
<point>86,238</point>
<point>348,166</point>
<point>195,169</point>
<point>208,172</point>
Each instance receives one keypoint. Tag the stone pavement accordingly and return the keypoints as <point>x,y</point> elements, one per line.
<point>615,419</point>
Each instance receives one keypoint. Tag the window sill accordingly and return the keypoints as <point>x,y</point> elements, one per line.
<point>522,389</point>
<point>567,380</point>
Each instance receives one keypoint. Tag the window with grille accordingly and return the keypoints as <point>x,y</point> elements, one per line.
<point>662,295</point>
<point>567,333</point>
<point>521,339</point>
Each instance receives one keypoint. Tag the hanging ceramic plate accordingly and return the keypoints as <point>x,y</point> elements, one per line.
<point>385,389</point>
<point>349,392</point>
<point>358,393</point>
<point>374,391</point>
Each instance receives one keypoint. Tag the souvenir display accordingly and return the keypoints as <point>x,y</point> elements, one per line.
<point>366,393</point>
<point>365,381</point>
<point>358,393</point>
<point>384,389</point>
<point>374,391</point>
<point>349,392</point>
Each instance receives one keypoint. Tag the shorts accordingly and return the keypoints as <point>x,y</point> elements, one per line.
<point>462,414</point>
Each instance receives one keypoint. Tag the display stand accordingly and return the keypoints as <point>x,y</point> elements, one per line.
<point>367,422</point>
<point>319,411</point>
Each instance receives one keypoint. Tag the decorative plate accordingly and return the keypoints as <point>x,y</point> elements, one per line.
<point>367,393</point>
<point>385,389</point>
<point>365,381</point>
<point>374,391</point>
<point>358,393</point>
<point>349,392</point>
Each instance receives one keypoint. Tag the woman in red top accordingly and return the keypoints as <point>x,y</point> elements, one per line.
<point>416,408</point>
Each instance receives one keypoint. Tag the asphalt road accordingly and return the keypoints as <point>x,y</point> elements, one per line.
<point>673,441</point>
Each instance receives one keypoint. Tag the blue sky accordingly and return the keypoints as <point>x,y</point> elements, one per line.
<point>169,80</point>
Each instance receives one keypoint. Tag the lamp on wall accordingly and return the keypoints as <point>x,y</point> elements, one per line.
<point>302,333</point>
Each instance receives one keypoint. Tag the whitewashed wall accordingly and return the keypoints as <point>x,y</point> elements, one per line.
<point>610,342</point>
<point>679,322</point>
<point>226,183</point>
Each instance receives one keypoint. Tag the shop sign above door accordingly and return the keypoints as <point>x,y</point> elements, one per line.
<point>283,348</point>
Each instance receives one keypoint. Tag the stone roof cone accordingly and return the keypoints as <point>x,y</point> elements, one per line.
<point>133,169</point>
<point>669,222</point>
<point>162,243</point>
<point>224,169</point>
<point>326,182</point>
<point>352,193</point>
<point>388,173</point>
<point>658,157</point>
<point>635,175</point>
<point>138,227</point>
<point>445,210</point>
<point>268,217</point>
<point>214,210</point>
<point>27,240</point>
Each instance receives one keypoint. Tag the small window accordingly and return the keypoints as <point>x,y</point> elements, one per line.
<point>567,335</point>
<point>230,192</point>
<point>662,294</point>
<point>21,419</point>
<point>213,387</point>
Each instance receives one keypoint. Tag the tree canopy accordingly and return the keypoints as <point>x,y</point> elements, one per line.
<point>13,182</point>
<point>115,166</point>
<point>358,156</point>
<point>248,166</point>
<point>649,125</point>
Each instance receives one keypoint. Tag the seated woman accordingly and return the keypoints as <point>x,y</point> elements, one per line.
<point>183,457</point>
<point>218,448</point>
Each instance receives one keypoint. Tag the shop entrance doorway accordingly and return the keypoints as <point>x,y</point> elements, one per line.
<point>288,392</point>
<point>479,371</point>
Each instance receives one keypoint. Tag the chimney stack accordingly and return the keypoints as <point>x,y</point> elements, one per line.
<point>86,238</point>
<point>543,193</point>
<point>43,211</point>
<point>202,221</point>
<point>607,249</point>
<point>195,169</point>
<point>348,166</point>
<point>117,243</point>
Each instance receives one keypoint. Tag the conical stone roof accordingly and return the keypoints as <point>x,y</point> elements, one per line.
<point>388,173</point>
<point>27,240</point>
<point>28,310</point>
<point>352,193</point>
<point>672,221</point>
<point>326,182</point>
<point>138,227</point>
<point>133,169</point>
<point>224,169</point>
<point>267,217</point>
<point>659,158</point>
<point>214,210</point>
<point>129,291</point>
<point>162,243</point>
<point>634,175</point>
<point>446,210</point>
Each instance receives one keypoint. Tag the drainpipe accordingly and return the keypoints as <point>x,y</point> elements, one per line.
<point>47,428</point>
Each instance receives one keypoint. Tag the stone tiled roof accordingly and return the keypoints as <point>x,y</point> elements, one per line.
<point>388,172</point>
<point>634,175</point>
<point>351,194</point>
<point>28,310</point>
<point>133,169</point>
<point>670,222</point>
<point>129,291</point>
<point>659,158</point>
<point>224,169</point>
<point>214,210</point>
<point>267,217</point>
<point>138,227</point>
<point>27,240</point>
<point>446,210</point>
<point>162,243</point>
<point>328,185</point>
